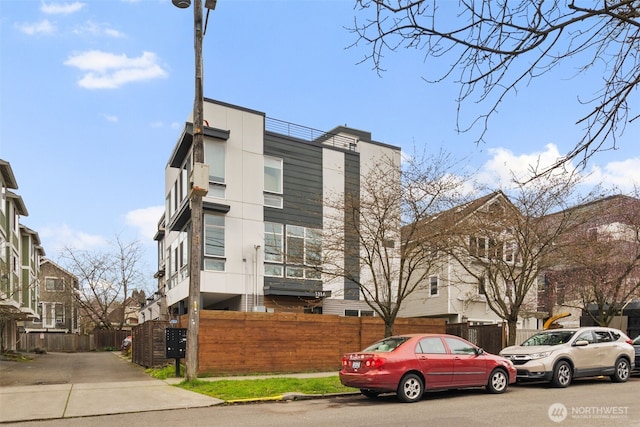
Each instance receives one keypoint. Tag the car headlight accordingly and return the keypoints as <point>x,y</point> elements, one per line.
<point>541,355</point>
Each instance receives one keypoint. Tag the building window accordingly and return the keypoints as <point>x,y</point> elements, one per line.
<point>59,313</point>
<point>39,313</point>
<point>214,242</point>
<point>53,284</point>
<point>273,182</point>
<point>273,270</point>
<point>433,286</point>
<point>482,286</point>
<point>358,313</point>
<point>214,156</point>
<point>303,249</point>
<point>510,285</point>
<point>273,242</point>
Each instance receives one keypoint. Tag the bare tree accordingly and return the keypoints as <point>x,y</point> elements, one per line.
<point>505,243</point>
<point>373,239</point>
<point>494,48</point>
<point>105,280</point>
<point>601,260</point>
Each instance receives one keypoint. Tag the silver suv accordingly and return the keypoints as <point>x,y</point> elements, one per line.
<point>559,355</point>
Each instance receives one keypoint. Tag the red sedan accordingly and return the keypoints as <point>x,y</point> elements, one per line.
<point>411,364</point>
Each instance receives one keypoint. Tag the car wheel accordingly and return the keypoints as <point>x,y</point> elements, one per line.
<point>410,388</point>
<point>562,374</point>
<point>621,374</point>
<point>498,381</point>
<point>369,393</point>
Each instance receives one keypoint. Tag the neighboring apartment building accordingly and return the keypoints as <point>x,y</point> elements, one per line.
<point>20,254</point>
<point>452,292</point>
<point>263,214</point>
<point>58,310</point>
<point>606,235</point>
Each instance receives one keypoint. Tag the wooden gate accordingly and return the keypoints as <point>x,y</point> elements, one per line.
<point>488,337</point>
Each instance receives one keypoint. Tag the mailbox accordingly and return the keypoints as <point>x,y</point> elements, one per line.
<point>175,343</point>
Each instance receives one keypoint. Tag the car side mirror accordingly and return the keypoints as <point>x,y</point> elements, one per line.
<point>479,351</point>
<point>581,343</point>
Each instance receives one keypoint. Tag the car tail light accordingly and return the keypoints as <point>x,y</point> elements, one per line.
<point>374,362</point>
<point>629,341</point>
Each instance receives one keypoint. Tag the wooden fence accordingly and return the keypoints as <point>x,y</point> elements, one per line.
<point>489,337</point>
<point>233,342</point>
<point>148,346</point>
<point>55,342</point>
<point>110,338</point>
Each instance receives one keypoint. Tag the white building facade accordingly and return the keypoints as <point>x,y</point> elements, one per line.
<point>264,214</point>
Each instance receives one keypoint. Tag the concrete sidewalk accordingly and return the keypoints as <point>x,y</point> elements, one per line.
<point>44,402</point>
<point>29,403</point>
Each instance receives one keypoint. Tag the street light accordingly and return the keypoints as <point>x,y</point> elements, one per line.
<point>191,362</point>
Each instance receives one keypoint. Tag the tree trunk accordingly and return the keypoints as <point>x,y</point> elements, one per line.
<point>511,332</point>
<point>388,328</point>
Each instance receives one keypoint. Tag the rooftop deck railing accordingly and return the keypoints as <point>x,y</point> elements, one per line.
<point>310,134</point>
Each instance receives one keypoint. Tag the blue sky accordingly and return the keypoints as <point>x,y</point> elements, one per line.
<point>93,95</point>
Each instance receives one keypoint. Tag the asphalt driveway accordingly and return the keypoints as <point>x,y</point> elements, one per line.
<point>69,368</point>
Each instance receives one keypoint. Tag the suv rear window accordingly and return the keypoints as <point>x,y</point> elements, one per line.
<point>603,336</point>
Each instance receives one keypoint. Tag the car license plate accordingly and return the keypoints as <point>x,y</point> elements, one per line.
<point>355,364</point>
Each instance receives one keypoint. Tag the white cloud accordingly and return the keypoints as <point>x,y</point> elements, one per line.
<point>504,165</point>
<point>110,118</point>
<point>109,71</point>
<point>96,29</point>
<point>61,8</point>
<point>60,236</point>
<point>145,220</point>
<point>42,27</point>
<point>623,175</point>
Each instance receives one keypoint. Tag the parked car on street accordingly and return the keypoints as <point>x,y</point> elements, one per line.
<point>409,365</point>
<point>636,346</point>
<point>560,355</point>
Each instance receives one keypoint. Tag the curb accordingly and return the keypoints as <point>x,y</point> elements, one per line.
<point>286,397</point>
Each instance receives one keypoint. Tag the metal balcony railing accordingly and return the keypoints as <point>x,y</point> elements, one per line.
<point>310,134</point>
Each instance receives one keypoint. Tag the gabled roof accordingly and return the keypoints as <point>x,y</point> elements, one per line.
<point>7,175</point>
<point>57,266</point>
<point>460,213</point>
<point>19,203</point>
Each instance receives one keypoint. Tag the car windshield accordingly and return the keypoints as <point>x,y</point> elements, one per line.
<point>549,338</point>
<point>385,345</point>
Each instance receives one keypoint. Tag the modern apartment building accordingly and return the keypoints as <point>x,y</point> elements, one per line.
<point>20,254</point>
<point>264,214</point>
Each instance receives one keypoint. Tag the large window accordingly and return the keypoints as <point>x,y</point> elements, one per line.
<point>273,242</point>
<point>214,242</point>
<point>214,156</point>
<point>302,247</point>
<point>53,284</point>
<point>273,182</point>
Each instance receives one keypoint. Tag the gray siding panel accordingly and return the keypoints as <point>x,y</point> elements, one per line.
<point>352,248</point>
<point>302,182</point>
<point>302,202</point>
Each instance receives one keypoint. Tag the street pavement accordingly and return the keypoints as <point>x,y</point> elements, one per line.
<point>69,385</point>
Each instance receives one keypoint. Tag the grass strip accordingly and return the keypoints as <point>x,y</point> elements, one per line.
<point>232,390</point>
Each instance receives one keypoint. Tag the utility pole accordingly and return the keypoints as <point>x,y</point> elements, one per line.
<point>199,189</point>
<point>191,369</point>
